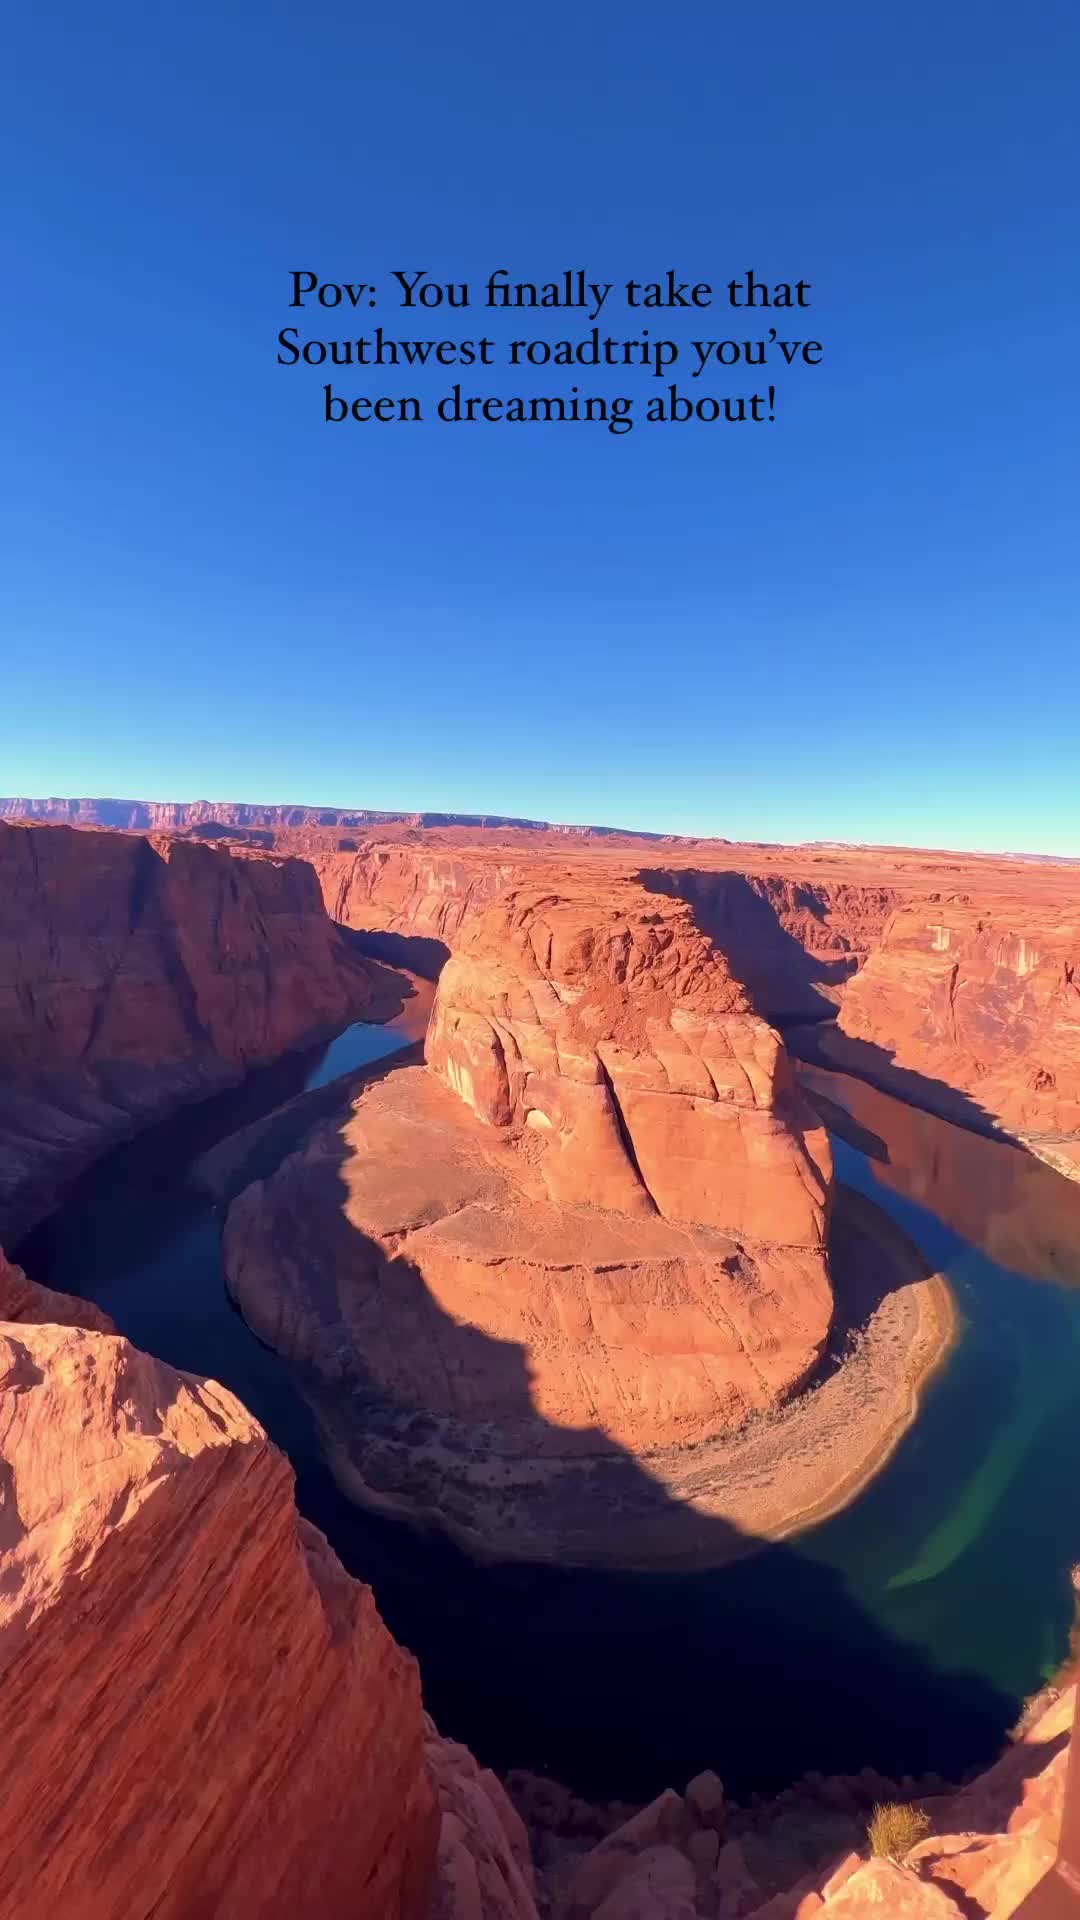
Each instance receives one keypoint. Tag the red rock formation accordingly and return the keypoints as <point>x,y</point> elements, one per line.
<point>954,969</point>
<point>138,972</point>
<point>484,1869</point>
<point>691,1857</point>
<point>957,976</point>
<point>169,815</point>
<point>203,1713</point>
<point>592,1229</point>
<point>982,994</point>
<point>613,1029</point>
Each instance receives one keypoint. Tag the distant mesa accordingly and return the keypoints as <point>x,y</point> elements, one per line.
<point>156,816</point>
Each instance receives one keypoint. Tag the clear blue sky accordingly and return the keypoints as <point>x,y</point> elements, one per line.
<point>859,622</point>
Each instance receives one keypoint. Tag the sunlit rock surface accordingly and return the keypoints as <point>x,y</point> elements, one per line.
<point>202,1712</point>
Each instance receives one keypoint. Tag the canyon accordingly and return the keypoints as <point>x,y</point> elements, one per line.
<point>140,971</point>
<point>561,1290</point>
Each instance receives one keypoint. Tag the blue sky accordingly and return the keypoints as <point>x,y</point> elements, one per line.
<point>858,622</point>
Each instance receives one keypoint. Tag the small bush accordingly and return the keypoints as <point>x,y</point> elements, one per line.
<point>895,1828</point>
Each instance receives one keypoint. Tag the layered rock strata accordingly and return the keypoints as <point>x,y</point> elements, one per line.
<point>969,997</point>
<point>137,972</point>
<point>591,1230</point>
<point>952,978</point>
<point>203,1713</point>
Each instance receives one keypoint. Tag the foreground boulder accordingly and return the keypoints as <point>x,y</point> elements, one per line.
<point>690,1857</point>
<point>202,1713</point>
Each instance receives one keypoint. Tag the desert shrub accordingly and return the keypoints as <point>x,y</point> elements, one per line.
<point>895,1828</point>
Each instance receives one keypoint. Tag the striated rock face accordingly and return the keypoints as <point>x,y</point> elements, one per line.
<point>138,972</point>
<point>203,1713</point>
<point>982,995</point>
<point>615,1031</point>
<point>156,815</point>
<point>418,887</point>
<point>794,940</point>
<point>957,976</point>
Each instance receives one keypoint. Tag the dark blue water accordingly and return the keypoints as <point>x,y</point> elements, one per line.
<point>904,1634</point>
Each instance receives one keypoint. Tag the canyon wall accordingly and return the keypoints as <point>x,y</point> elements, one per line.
<point>203,1713</point>
<point>979,993</point>
<point>953,980</point>
<point>180,815</point>
<point>139,971</point>
<point>792,940</point>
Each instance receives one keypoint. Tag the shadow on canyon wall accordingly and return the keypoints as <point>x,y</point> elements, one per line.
<point>784,980</point>
<point>830,1048</point>
<point>797,990</point>
<point>617,1682</point>
<point>414,952</point>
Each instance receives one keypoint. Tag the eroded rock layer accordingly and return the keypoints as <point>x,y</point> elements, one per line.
<point>954,979</point>
<point>592,1228</point>
<point>973,997</point>
<point>135,972</point>
<point>203,1713</point>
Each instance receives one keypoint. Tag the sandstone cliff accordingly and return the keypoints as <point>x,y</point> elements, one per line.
<point>980,994</point>
<point>136,972</point>
<point>953,979</point>
<point>170,815</point>
<point>614,1029</point>
<point>203,1714</point>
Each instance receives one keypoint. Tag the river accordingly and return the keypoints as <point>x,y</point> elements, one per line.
<point>902,1634</point>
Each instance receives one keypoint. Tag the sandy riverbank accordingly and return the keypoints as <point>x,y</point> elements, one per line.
<point>815,1456</point>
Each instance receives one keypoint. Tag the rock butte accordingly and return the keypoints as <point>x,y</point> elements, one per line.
<point>205,1714</point>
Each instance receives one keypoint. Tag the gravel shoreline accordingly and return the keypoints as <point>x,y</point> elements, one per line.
<point>799,1466</point>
